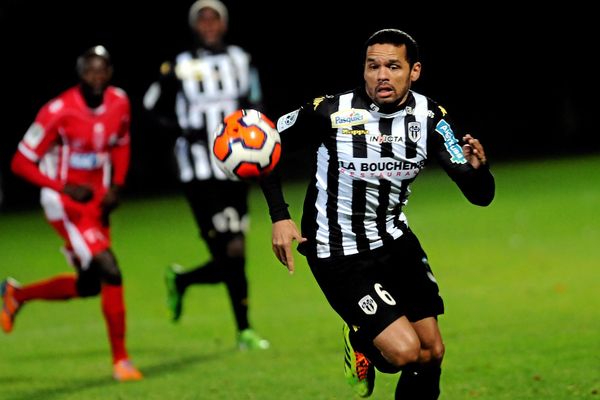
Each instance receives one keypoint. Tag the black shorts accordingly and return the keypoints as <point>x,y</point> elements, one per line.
<point>220,208</point>
<point>374,289</point>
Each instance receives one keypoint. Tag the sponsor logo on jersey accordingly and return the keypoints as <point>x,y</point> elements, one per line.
<point>350,117</point>
<point>390,165</point>
<point>189,69</point>
<point>450,142</point>
<point>318,101</point>
<point>34,135</point>
<point>287,120</point>
<point>368,305</point>
<point>385,139</point>
<point>355,131</point>
<point>381,169</point>
<point>166,68</point>
<point>414,131</point>
<point>87,161</point>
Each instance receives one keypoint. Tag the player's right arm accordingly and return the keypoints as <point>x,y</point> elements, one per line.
<point>159,99</point>
<point>284,230</point>
<point>39,138</point>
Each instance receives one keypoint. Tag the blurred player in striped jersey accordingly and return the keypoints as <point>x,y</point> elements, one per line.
<point>77,151</point>
<point>195,93</point>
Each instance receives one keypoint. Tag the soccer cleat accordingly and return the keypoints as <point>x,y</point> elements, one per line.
<point>250,340</point>
<point>123,371</point>
<point>10,305</point>
<point>174,295</point>
<point>359,371</point>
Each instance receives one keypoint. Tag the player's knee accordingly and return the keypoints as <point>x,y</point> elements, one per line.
<point>432,354</point>
<point>108,268</point>
<point>437,352</point>
<point>403,354</point>
<point>236,248</point>
<point>88,287</point>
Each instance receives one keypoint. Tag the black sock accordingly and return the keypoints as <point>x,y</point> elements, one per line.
<point>231,271</point>
<point>419,382</point>
<point>237,287</point>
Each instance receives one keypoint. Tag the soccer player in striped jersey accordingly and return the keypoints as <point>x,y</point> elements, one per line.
<point>77,150</point>
<point>370,144</point>
<point>195,93</point>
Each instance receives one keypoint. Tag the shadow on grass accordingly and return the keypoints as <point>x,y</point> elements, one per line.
<point>149,371</point>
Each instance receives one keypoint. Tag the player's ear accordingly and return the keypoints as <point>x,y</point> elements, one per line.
<point>415,71</point>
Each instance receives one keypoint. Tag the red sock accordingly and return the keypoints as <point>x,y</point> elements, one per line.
<point>61,287</point>
<point>113,308</point>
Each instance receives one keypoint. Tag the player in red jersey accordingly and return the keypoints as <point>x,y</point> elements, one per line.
<point>77,151</point>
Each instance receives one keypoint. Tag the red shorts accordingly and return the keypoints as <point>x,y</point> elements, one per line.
<point>80,225</point>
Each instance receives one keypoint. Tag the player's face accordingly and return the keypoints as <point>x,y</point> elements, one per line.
<point>210,27</point>
<point>97,74</point>
<point>387,74</point>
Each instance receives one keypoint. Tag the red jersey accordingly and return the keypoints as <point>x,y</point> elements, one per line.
<point>78,145</point>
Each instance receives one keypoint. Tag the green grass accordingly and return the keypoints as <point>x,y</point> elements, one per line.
<point>520,281</point>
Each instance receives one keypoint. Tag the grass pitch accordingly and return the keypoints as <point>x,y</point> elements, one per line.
<point>520,280</point>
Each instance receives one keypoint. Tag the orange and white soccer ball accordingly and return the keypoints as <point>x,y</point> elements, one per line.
<point>247,145</point>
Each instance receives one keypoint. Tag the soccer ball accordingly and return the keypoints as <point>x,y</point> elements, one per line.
<point>246,145</point>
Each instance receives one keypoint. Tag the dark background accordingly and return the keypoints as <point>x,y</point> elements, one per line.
<point>520,80</point>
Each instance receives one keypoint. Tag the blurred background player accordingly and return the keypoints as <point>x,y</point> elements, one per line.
<point>198,90</point>
<point>77,150</point>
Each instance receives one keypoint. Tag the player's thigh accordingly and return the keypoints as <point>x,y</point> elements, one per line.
<point>356,290</point>
<point>83,232</point>
<point>219,207</point>
<point>407,267</point>
<point>399,342</point>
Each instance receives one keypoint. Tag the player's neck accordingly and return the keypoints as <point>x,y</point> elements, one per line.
<point>92,98</point>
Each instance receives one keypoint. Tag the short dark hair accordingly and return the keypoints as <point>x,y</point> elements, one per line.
<point>397,38</point>
<point>95,51</point>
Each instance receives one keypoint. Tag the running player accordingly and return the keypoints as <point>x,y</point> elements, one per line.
<point>77,150</point>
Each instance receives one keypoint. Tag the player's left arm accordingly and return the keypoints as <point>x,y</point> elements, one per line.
<point>463,160</point>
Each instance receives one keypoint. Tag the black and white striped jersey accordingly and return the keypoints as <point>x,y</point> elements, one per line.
<point>365,162</point>
<point>198,90</point>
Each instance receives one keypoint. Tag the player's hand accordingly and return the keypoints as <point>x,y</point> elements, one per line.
<point>79,193</point>
<point>109,202</point>
<point>473,151</point>
<point>284,233</point>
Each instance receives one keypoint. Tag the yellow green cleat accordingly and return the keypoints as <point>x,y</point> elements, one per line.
<point>359,371</point>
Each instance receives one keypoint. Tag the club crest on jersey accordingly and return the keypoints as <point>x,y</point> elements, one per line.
<point>55,106</point>
<point>414,131</point>
<point>368,305</point>
<point>349,117</point>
